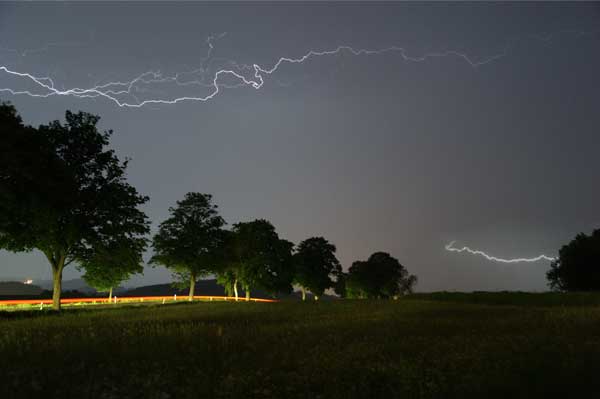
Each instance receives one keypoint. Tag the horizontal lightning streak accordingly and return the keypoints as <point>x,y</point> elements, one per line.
<point>112,90</point>
<point>252,76</point>
<point>450,247</point>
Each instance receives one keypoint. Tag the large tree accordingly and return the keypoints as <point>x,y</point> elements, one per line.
<point>108,267</point>
<point>316,267</point>
<point>258,259</point>
<point>577,267</point>
<point>190,242</point>
<point>380,276</point>
<point>63,192</point>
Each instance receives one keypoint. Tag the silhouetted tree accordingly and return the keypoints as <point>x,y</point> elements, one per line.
<point>315,266</point>
<point>63,193</point>
<point>190,242</point>
<point>577,267</point>
<point>108,267</point>
<point>258,258</point>
<point>380,276</point>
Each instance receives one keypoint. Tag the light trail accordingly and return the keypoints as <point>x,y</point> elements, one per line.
<point>135,299</point>
<point>450,247</point>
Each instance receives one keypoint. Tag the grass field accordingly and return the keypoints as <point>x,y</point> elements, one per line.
<point>422,347</point>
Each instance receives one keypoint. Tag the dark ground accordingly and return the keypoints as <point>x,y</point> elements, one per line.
<point>409,348</point>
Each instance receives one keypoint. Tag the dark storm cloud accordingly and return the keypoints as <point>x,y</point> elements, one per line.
<point>374,153</point>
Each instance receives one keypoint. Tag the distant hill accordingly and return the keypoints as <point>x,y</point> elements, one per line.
<point>43,289</point>
<point>16,288</point>
<point>77,284</point>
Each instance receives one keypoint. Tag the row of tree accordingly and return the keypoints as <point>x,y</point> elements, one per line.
<point>194,243</point>
<point>64,193</point>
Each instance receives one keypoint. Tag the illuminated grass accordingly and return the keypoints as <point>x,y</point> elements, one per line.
<point>342,349</point>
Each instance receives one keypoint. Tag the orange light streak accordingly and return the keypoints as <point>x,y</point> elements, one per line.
<point>12,302</point>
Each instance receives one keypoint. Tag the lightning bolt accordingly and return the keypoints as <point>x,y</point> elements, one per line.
<point>250,76</point>
<point>450,247</point>
<point>112,90</point>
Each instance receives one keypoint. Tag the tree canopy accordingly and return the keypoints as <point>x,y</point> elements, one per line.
<point>191,241</point>
<point>380,276</point>
<point>259,259</point>
<point>108,267</point>
<point>577,267</point>
<point>316,267</point>
<point>63,192</point>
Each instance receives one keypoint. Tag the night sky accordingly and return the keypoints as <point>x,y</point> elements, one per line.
<point>373,152</point>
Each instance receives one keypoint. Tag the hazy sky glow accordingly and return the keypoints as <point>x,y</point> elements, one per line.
<point>391,152</point>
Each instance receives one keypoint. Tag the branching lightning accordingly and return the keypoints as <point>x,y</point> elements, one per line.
<point>450,247</point>
<point>112,90</point>
<point>123,93</point>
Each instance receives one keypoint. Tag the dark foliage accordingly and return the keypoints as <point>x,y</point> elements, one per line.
<point>315,266</point>
<point>111,265</point>
<point>64,193</point>
<point>380,276</point>
<point>258,259</point>
<point>577,267</point>
<point>191,241</point>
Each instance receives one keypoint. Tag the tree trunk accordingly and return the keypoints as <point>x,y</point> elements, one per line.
<point>247,293</point>
<point>57,284</point>
<point>110,294</point>
<point>192,286</point>
<point>235,290</point>
<point>303,293</point>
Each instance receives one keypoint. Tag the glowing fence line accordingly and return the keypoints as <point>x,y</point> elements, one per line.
<point>134,299</point>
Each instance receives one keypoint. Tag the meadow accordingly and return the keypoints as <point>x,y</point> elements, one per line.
<point>422,346</point>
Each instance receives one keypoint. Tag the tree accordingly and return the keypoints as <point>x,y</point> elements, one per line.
<point>258,258</point>
<point>577,267</point>
<point>380,276</point>
<point>190,242</point>
<point>110,266</point>
<point>227,279</point>
<point>315,266</point>
<point>63,192</point>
